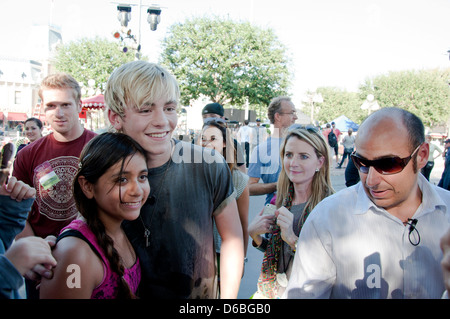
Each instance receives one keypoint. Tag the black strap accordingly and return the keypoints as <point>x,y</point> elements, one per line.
<point>78,234</point>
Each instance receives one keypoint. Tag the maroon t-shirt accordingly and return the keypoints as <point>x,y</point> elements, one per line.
<point>54,207</point>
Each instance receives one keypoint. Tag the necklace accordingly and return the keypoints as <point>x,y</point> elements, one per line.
<point>161,183</point>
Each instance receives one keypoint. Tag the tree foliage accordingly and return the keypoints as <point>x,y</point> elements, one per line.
<point>423,92</point>
<point>91,59</point>
<point>227,61</point>
<point>336,102</point>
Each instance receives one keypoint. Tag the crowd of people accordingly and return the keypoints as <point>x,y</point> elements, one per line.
<point>151,216</point>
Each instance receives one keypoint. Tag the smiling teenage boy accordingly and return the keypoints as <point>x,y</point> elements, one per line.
<point>174,235</point>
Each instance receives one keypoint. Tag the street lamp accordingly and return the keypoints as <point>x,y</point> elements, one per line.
<point>154,17</point>
<point>124,15</point>
<point>370,104</point>
<point>311,98</point>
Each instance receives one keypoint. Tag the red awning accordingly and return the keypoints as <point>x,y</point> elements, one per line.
<point>1,116</point>
<point>17,117</point>
<point>94,102</point>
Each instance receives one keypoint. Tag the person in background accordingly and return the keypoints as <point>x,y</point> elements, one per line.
<point>444,182</point>
<point>33,131</point>
<point>50,163</point>
<point>333,142</point>
<point>265,163</point>
<point>109,187</point>
<point>380,238</point>
<point>351,174</point>
<point>303,182</point>
<point>213,111</point>
<point>349,145</point>
<point>259,136</point>
<point>245,136</point>
<point>217,136</point>
<point>426,171</point>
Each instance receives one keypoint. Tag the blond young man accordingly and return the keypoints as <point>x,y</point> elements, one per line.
<point>174,235</point>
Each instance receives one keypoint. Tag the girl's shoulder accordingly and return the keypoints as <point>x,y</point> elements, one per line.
<point>74,250</point>
<point>77,266</point>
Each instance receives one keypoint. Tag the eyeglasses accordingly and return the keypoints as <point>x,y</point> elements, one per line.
<point>290,113</point>
<point>385,166</point>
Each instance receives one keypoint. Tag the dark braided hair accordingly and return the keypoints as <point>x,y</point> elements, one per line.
<point>97,157</point>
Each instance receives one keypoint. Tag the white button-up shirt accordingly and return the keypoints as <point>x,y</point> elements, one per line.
<point>349,248</point>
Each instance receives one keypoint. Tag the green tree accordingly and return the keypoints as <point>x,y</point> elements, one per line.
<point>87,59</point>
<point>337,102</point>
<point>229,62</point>
<point>423,92</point>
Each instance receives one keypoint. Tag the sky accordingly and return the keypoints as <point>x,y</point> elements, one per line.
<point>335,43</point>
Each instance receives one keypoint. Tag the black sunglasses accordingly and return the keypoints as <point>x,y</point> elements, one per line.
<point>385,166</point>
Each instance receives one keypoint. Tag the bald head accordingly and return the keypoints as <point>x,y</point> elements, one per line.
<point>392,122</point>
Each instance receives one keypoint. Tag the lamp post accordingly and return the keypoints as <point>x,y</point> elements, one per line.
<point>124,16</point>
<point>154,17</point>
<point>311,98</point>
<point>370,104</point>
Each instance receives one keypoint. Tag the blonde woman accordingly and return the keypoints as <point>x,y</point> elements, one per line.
<point>303,182</point>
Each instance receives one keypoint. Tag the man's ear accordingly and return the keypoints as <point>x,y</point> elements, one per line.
<point>86,187</point>
<point>115,120</point>
<point>422,156</point>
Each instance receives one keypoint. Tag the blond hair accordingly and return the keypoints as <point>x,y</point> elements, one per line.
<point>321,186</point>
<point>61,81</point>
<point>139,83</point>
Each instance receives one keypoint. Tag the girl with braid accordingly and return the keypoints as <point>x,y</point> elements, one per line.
<point>303,182</point>
<point>94,257</point>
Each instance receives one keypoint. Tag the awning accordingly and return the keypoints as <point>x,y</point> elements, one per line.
<point>17,117</point>
<point>94,102</point>
<point>1,116</point>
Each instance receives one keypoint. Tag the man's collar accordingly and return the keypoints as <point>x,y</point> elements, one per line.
<point>432,199</point>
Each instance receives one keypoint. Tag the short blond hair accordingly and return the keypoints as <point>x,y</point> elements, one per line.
<point>61,81</point>
<point>137,83</point>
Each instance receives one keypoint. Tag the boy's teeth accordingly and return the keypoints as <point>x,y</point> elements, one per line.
<point>158,134</point>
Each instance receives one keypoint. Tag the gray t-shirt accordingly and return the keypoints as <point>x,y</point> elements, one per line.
<point>186,193</point>
<point>240,181</point>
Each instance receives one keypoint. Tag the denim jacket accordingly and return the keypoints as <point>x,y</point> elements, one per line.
<point>13,215</point>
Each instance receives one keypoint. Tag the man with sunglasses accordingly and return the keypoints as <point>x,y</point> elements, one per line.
<point>379,238</point>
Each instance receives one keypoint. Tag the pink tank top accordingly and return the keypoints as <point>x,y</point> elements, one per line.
<point>107,289</point>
